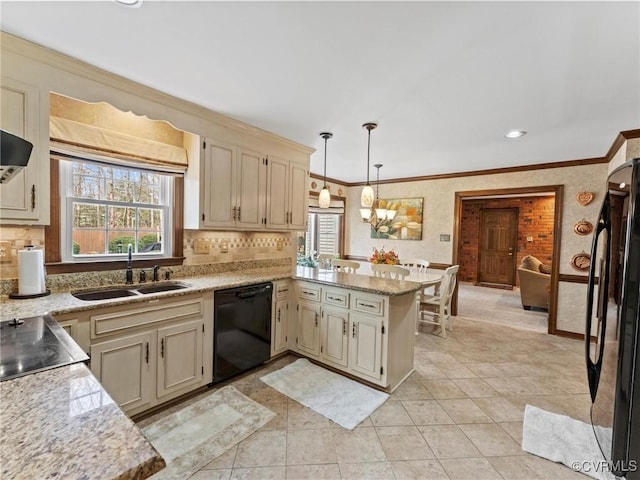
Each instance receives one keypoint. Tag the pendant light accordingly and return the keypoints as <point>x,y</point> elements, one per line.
<point>324,200</point>
<point>366,197</point>
<point>381,213</point>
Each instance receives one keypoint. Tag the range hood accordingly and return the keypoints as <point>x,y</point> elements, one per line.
<point>14,155</point>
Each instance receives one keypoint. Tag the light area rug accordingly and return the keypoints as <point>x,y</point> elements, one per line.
<point>565,440</point>
<point>334,396</point>
<point>192,437</point>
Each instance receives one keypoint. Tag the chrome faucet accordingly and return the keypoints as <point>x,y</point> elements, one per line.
<point>129,279</point>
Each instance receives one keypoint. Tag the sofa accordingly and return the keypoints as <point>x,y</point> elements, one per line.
<point>535,280</point>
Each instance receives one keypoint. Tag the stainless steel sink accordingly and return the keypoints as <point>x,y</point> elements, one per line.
<point>104,294</point>
<point>108,293</point>
<point>162,287</point>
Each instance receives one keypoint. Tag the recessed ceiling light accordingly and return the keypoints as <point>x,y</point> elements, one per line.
<point>515,133</point>
<point>130,3</point>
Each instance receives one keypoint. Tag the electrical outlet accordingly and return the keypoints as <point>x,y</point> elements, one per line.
<point>224,245</point>
<point>529,239</point>
<point>201,246</point>
<point>6,256</point>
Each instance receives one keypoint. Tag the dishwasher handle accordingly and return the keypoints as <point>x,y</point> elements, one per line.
<point>252,292</point>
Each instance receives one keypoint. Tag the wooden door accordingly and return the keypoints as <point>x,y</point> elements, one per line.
<point>308,338</point>
<point>278,194</point>
<point>279,327</point>
<point>365,346</point>
<point>298,197</point>
<point>498,242</point>
<point>219,185</point>
<point>252,184</point>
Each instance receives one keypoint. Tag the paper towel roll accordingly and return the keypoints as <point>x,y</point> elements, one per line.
<point>31,271</point>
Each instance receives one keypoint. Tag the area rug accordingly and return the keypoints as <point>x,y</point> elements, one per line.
<point>338,398</point>
<point>191,438</point>
<point>565,440</point>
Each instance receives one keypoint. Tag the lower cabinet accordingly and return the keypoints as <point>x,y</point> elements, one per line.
<point>147,353</point>
<point>365,335</point>
<point>280,318</point>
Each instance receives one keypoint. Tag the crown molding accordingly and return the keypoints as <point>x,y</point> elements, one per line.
<point>619,141</point>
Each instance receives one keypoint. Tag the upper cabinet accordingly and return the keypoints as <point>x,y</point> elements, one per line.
<point>233,187</point>
<point>242,186</point>
<point>287,197</point>
<point>25,198</point>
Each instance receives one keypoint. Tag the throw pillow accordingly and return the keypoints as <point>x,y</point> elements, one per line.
<point>531,263</point>
<point>545,269</point>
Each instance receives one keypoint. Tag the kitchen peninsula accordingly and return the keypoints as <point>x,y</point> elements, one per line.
<point>359,325</point>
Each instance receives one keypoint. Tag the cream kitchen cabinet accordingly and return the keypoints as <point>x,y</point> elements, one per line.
<point>234,189</point>
<point>287,195</point>
<point>369,336</point>
<point>147,353</point>
<point>25,198</point>
<point>280,318</point>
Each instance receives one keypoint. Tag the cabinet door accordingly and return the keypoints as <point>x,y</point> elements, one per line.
<point>123,368</point>
<point>333,336</point>
<point>251,186</point>
<point>278,194</point>
<point>180,362</point>
<point>308,338</point>
<point>365,346</point>
<point>21,198</point>
<point>219,185</point>
<point>298,197</point>
<point>280,326</point>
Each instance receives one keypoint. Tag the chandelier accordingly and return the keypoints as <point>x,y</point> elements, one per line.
<point>377,214</point>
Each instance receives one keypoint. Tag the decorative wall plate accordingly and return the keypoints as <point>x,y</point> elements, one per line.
<point>583,227</point>
<point>581,261</point>
<point>314,185</point>
<point>584,198</point>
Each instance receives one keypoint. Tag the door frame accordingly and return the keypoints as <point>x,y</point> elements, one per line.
<point>515,244</point>
<point>558,192</point>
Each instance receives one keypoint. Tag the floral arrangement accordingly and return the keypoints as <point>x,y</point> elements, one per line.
<point>382,256</point>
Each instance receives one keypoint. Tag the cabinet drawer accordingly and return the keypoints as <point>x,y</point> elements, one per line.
<point>282,290</point>
<point>117,321</point>
<point>366,304</point>
<point>310,292</point>
<point>339,298</point>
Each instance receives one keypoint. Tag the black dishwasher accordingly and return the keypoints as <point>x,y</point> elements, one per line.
<point>241,329</point>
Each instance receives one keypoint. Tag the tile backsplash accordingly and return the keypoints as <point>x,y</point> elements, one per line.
<point>223,251</point>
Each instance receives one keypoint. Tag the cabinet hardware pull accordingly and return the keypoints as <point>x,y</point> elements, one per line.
<point>368,305</point>
<point>239,214</point>
<point>33,197</point>
<point>234,212</point>
<point>307,292</point>
<point>353,330</point>
<point>278,315</point>
<point>162,348</point>
<point>146,357</point>
<point>344,327</point>
<point>334,298</point>
<point>316,319</point>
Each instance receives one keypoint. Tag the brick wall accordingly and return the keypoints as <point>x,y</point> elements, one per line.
<point>535,220</point>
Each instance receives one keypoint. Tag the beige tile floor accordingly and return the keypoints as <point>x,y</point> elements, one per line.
<point>459,416</point>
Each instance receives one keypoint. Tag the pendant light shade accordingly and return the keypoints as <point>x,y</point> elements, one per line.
<point>324,200</point>
<point>367,196</point>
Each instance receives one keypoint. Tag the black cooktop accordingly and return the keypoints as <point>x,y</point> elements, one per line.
<point>33,344</point>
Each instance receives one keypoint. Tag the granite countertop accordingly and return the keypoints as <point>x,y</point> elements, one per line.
<point>365,283</point>
<point>61,424</point>
<point>64,302</point>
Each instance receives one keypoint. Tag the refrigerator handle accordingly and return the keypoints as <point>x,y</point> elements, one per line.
<point>604,224</point>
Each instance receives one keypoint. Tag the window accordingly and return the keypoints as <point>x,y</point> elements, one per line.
<point>323,233</point>
<point>105,208</point>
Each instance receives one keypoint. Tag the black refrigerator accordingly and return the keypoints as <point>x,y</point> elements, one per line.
<point>613,306</point>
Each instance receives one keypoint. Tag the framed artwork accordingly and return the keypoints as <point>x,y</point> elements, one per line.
<point>405,225</point>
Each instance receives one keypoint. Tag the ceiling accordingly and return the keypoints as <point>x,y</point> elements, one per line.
<point>444,80</point>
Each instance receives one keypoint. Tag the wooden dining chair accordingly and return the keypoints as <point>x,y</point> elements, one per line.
<point>394,272</point>
<point>325,259</point>
<point>346,266</point>
<point>415,265</point>
<point>437,308</point>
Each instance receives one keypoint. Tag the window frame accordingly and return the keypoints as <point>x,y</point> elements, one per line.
<point>53,233</point>
<point>341,222</point>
